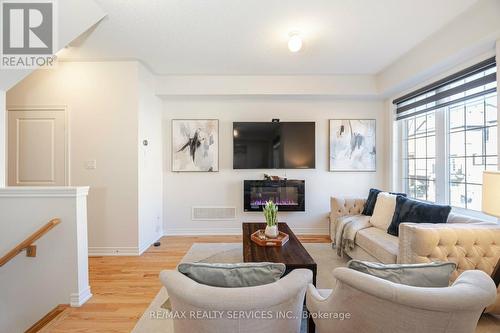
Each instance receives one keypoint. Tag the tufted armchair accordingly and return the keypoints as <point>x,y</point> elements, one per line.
<point>470,246</point>
<point>470,243</point>
<point>377,305</point>
<point>246,309</point>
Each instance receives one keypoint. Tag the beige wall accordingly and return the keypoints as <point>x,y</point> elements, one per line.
<point>102,101</point>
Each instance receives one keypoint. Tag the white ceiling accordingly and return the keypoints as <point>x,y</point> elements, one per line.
<point>236,37</point>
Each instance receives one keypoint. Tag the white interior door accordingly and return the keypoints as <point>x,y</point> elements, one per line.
<point>37,147</point>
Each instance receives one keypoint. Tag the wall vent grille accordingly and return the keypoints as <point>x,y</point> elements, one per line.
<point>213,213</point>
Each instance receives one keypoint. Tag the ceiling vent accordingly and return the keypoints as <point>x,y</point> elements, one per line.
<point>213,213</point>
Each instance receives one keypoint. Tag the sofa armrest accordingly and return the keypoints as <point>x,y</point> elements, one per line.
<point>345,206</point>
<point>340,207</point>
<point>469,246</point>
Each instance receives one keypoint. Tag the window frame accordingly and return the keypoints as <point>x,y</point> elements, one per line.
<point>442,150</point>
<point>406,160</point>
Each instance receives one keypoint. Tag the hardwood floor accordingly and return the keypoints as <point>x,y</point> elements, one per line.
<point>123,287</point>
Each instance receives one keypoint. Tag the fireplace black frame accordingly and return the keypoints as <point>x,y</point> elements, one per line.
<point>299,184</point>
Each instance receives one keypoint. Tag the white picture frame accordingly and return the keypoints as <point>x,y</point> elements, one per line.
<point>353,145</point>
<point>195,145</point>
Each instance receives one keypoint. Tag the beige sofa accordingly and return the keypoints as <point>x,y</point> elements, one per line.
<point>470,243</point>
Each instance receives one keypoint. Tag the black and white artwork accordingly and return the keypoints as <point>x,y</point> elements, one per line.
<point>195,145</point>
<point>353,145</point>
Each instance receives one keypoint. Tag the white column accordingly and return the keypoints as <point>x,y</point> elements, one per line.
<point>3,135</point>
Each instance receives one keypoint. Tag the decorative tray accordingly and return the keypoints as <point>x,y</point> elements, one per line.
<point>260,239</point>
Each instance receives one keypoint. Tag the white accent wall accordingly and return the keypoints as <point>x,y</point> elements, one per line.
<point>150,161</point>
<point>225,188</point>
<point>32,287</point>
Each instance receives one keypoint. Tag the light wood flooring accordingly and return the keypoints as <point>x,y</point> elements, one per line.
<point>123,287</point>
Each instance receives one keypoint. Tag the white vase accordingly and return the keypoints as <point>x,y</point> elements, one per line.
<point>271,232</point>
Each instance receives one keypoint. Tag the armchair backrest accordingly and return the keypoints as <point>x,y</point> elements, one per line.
<point>470,246</point>
<point>249,309</point>
<point>375,304</point>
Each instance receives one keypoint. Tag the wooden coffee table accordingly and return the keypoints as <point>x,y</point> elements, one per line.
<point>292,254</point>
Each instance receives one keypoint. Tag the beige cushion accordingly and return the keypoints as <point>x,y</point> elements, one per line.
<point>384,210</point>
<point>379,244</point>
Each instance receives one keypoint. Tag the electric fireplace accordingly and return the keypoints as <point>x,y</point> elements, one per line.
<point>287,194</point>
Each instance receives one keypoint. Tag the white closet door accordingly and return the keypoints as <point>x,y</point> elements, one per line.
<point>37,148</point>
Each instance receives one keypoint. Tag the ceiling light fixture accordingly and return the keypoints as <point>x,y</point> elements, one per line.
<point>294,42</point>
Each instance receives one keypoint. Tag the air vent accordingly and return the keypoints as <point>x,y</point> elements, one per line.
<point>213,213</point>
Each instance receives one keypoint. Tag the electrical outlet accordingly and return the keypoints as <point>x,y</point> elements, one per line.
<point>158,225</point>
<point>91,165</point>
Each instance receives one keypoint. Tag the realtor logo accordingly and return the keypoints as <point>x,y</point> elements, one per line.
<point>28,32</point>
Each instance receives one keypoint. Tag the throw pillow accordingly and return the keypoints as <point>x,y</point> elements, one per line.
<point>384,210</point>
<point>435,274</point>
<point>233,275</point>
<point>408,210</point>
<point>372,200</point>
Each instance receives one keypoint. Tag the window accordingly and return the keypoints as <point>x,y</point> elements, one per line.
<point>420,157</point>
<point>472,132</point>
<point>449,137</point>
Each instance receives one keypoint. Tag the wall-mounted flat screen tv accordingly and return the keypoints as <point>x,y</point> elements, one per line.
<point>274,145</point>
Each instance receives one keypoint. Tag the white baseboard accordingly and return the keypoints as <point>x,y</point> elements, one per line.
<point>137,251</point>
<point>311,231</point>
<point>146,246</point>
<point>78,299</point>
<point>121,251</point>
<point>113,251</point>
<point>235,231</point>
<point>202,231</point>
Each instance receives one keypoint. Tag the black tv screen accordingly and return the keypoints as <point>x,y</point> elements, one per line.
<point>273,145</point>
